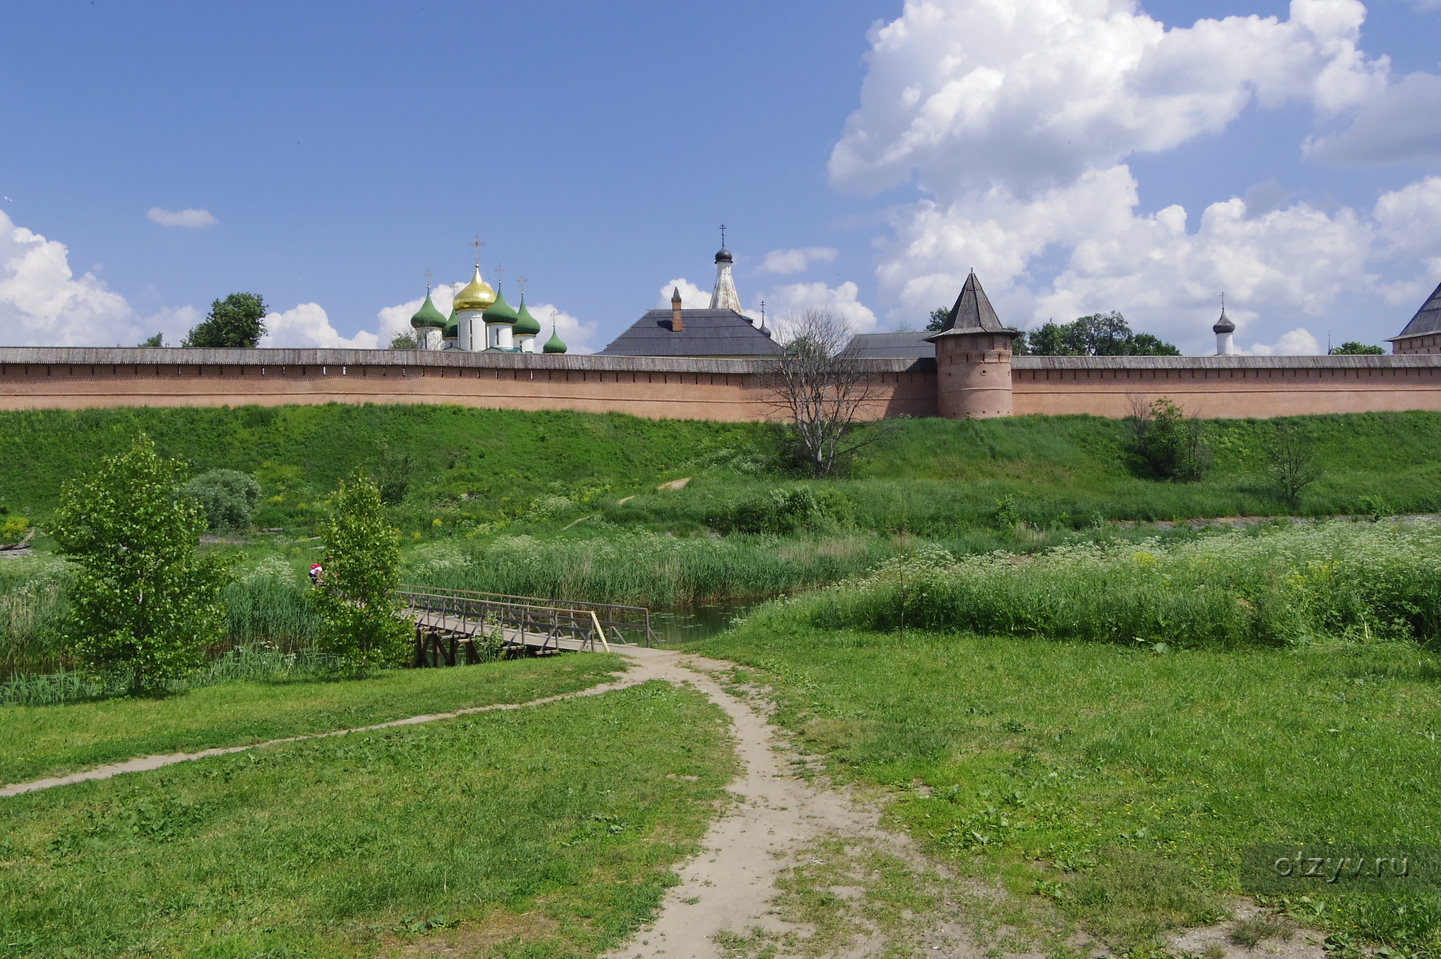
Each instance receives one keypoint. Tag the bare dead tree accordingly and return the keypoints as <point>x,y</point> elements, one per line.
<point>819,384</point>
<point>1291,457</point>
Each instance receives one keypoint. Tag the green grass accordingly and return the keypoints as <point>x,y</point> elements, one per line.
<point>511,834</point>
<point>39,741</point>
<point>477,470</point>
<point>1121,782</point>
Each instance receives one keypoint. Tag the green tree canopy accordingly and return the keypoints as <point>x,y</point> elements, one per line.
<point>938,319</point>
<point>360,619</point>
<point>236,321</point>
<point>143,602</point>
<point>1356,348</point>
<point>228,497</point>
<point>157,340</point>
<point>1099,334</point>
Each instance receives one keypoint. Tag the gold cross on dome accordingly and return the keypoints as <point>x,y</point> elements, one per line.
<point>499,273</point>
<point>428,275</point>
<point>477,243</point>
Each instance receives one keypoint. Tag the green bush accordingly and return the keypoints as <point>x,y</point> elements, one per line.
<point>228,497</point>
<point>143,603</point>
<point>784,511</point>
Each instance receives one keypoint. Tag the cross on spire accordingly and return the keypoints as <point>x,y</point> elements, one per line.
<point>521,281</point>
<point>1223,301</point>
<point>477,243</point>
<point>428,275</point>
<point>723,236</point>
<point>499,273</point>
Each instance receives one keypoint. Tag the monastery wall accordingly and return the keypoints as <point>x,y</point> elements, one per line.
<point>657,387</point>
<point>673,388</point>
<point>1227,387</point>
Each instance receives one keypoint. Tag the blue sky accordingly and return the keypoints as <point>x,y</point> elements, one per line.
<point>864,155</point>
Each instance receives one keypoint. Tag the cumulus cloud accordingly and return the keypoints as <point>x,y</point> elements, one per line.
<point>1033,93</point>
<point>1400,124</point>
<point>43,302</point>
<point>307,326</point>
<point>843,300</point>
<point>1297,342</point>
<point>578,335</point>
<point>793,261</point>
<point>692,297</point>
<point>1012,120</point>
<point>188,217</point>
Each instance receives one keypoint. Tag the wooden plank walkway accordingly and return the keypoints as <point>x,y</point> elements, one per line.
<point>454,628</point>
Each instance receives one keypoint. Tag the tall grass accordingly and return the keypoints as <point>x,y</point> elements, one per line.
<point>1268,586</point>
<point>643,568</point>
<point>33,601</point>
<point>269,605</point>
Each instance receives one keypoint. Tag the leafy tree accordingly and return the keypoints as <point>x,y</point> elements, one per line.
<point>1171,444</point>
<point>360,619</point>
<point>1099,334</point>
<point>1291,461</point>
<point>157,340</point>
<point>143,601</point>
<point>228,497</point>
<point>1355,348</point>
<point>236,321</point>
<point>938,319</point>
<point>405,341</point>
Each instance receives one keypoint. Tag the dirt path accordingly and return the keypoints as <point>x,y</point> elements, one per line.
<point>793,868</point>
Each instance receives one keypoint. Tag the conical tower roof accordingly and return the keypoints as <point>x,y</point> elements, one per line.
<point>525,324</point>
<point>475,295</point>
<point>499,311</point>
<point>1426,320</point>
<point>554,344</point>
<point>973,312</point>
<point>428,317</point>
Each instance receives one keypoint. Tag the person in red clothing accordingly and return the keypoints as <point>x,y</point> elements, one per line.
<point>316,572</point>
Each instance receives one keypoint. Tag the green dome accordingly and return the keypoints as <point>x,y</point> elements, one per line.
<point>525,324</point>
<point>428,317</point>
<point>499,311</point>
<point>452,328</point>
<point>554,344</point>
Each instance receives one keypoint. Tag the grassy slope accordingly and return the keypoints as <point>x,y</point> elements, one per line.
<point>38,741</point>
<point>1111,762</point>
<point>472,466</point>
<point>528,828</point>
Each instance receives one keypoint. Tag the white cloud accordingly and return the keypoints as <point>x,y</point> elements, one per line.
<point>795,297</point>
<point>578,335</point>
<point>43,303</point>
<point>692,297</point>
<point>307,326</point>
<point>1297,342</point>
<point>793,261</point>
<point>1013,119</point>
<point>188,217</point>
<point>1400,124</point>
<point>1033,93</point>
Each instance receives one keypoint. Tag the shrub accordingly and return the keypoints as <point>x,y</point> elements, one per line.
<point>1171,444</point>
<point>13,529</point>
<point>143,602</point>
<point>360,620</point>
<point>229,499</point>
<point>782,511</point>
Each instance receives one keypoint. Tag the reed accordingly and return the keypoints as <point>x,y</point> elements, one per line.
<point>1269,586</point>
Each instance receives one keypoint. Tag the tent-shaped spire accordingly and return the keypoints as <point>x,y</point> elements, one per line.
<point>1426,320</point>
<point>973,312</point>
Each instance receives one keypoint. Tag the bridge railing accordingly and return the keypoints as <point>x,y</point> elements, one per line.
<point>621,624</point>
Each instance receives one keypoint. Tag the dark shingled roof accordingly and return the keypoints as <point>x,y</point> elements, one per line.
<point>1426,320</point>
<point>703,333</point>
<point>903,346</point>
<point>972,313</point>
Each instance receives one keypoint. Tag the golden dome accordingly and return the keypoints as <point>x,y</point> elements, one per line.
<point>477,295</point>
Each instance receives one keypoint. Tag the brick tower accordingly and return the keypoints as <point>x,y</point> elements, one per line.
<point>973,358</point>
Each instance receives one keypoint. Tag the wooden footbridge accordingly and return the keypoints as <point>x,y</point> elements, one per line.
<point>457,627</point>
